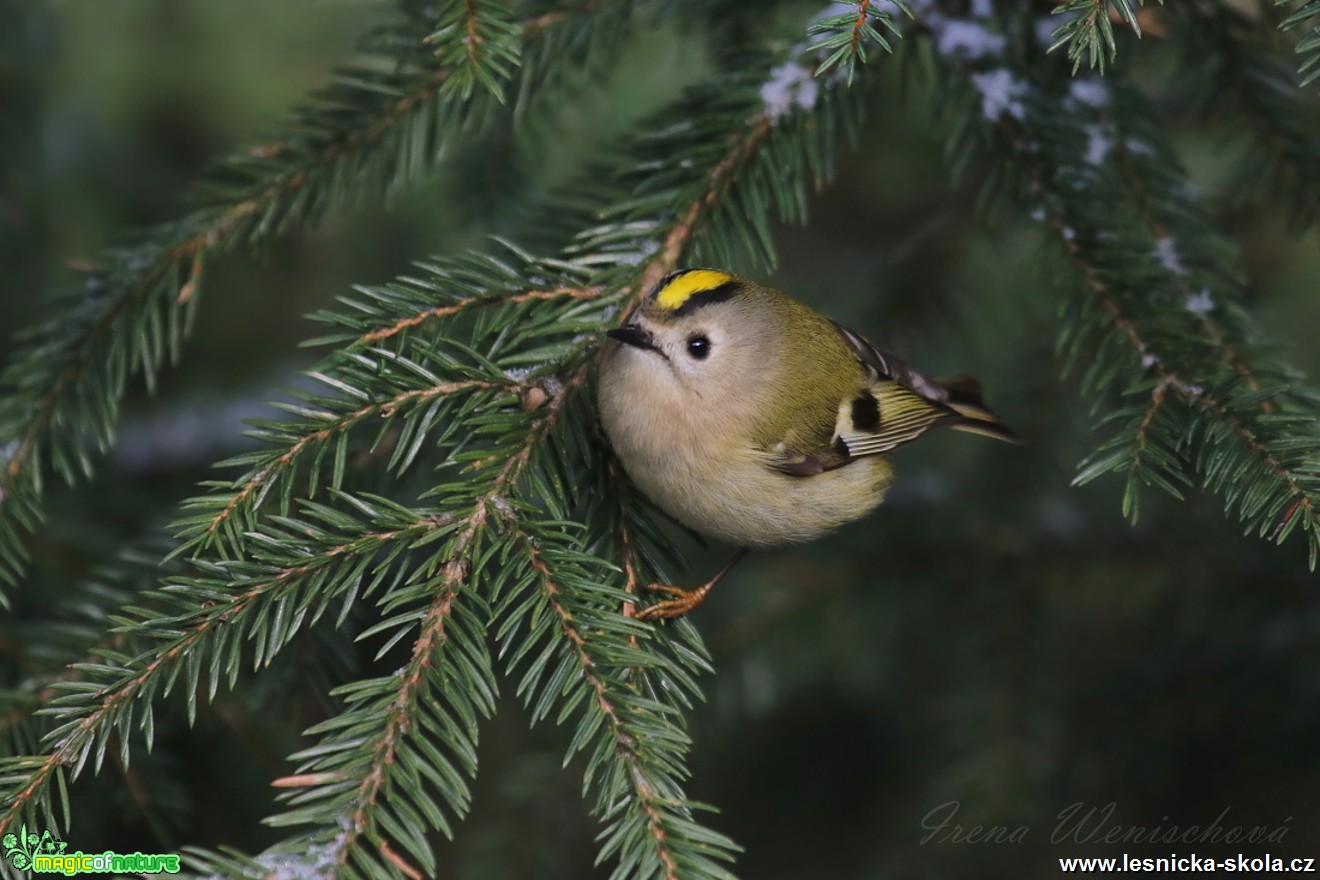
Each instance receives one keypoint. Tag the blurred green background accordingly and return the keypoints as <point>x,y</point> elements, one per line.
<point>992,638</point>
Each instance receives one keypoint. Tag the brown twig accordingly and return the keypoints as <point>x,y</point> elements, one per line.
<point>111,699</point>
<point>1170,380</point>
<point>431,633</point>
<point>623,741</point>
<point>398,861</point>
<point>624,535</point>
<point>193,247</point>
<point>718,182</point>
<point>213,234</point>
<point>1146,209</point>
<point>385,409</point>
<point>381,333</point>
<point>854,41</point>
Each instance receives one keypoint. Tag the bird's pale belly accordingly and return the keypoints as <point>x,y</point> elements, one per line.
<point>741,500</point>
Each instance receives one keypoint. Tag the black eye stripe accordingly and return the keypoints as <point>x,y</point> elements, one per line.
<point>698,347</point>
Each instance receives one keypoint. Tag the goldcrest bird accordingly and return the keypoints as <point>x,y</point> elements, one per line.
<point>754,419</point>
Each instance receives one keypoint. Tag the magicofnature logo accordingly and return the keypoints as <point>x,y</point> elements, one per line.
<point>22,848</point>
<point>44,854</point>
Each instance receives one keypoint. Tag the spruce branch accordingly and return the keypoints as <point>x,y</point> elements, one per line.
<point>435,357</point>
<point>229,516</point>
<point>480,42</point>
<point>471,302</point>
<point>843,37</point>
<point>627,683</point>
<point>76,635</point>
<point>367,786</point>
<point>1253,438</point>
<point>709,184</point>
<point>400,380</point>
<point>298,567</point>
<point>1201,263</point>
<point>636,749</point>
<point>1308,12</point>
<point>1236,418</point>
<point>1226,58</point>
<point>369,134</point>
<point>1087,29</point>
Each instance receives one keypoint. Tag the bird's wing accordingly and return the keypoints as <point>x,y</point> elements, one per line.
<point>899,404</point>
<point>885,416</point>
<point>890,405</point>
<point>896,404</point>
<point>910,403</point>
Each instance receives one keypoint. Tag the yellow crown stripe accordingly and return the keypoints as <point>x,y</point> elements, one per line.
<point>685,286</point>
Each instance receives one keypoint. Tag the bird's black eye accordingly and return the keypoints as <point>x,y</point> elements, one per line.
<point>698,347</point>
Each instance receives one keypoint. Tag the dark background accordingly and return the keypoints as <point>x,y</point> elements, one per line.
<point>992,636</point>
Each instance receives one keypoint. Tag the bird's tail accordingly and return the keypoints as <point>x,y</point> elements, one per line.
<point>965,399</point>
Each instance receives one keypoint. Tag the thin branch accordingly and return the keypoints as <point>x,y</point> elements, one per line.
<point>624,742</point>
<point>859,27</point>
<point>1147,210</point>
<point>623,534</point>
<point>408,870</point>
<point>431,634</point>
<point>1193,395</point>
<point>383,408</point>
<point>209,238</point>
<point>382,333</point>
<point>1157,395</point>
<point>411,678</point>
<point>1021,146</point>
<point>473,41</point>
<point>718,181</point>
<point>202,235</point>
<point>73,744</point>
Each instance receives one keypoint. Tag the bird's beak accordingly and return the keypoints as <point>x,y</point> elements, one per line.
<point>634,335</point>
